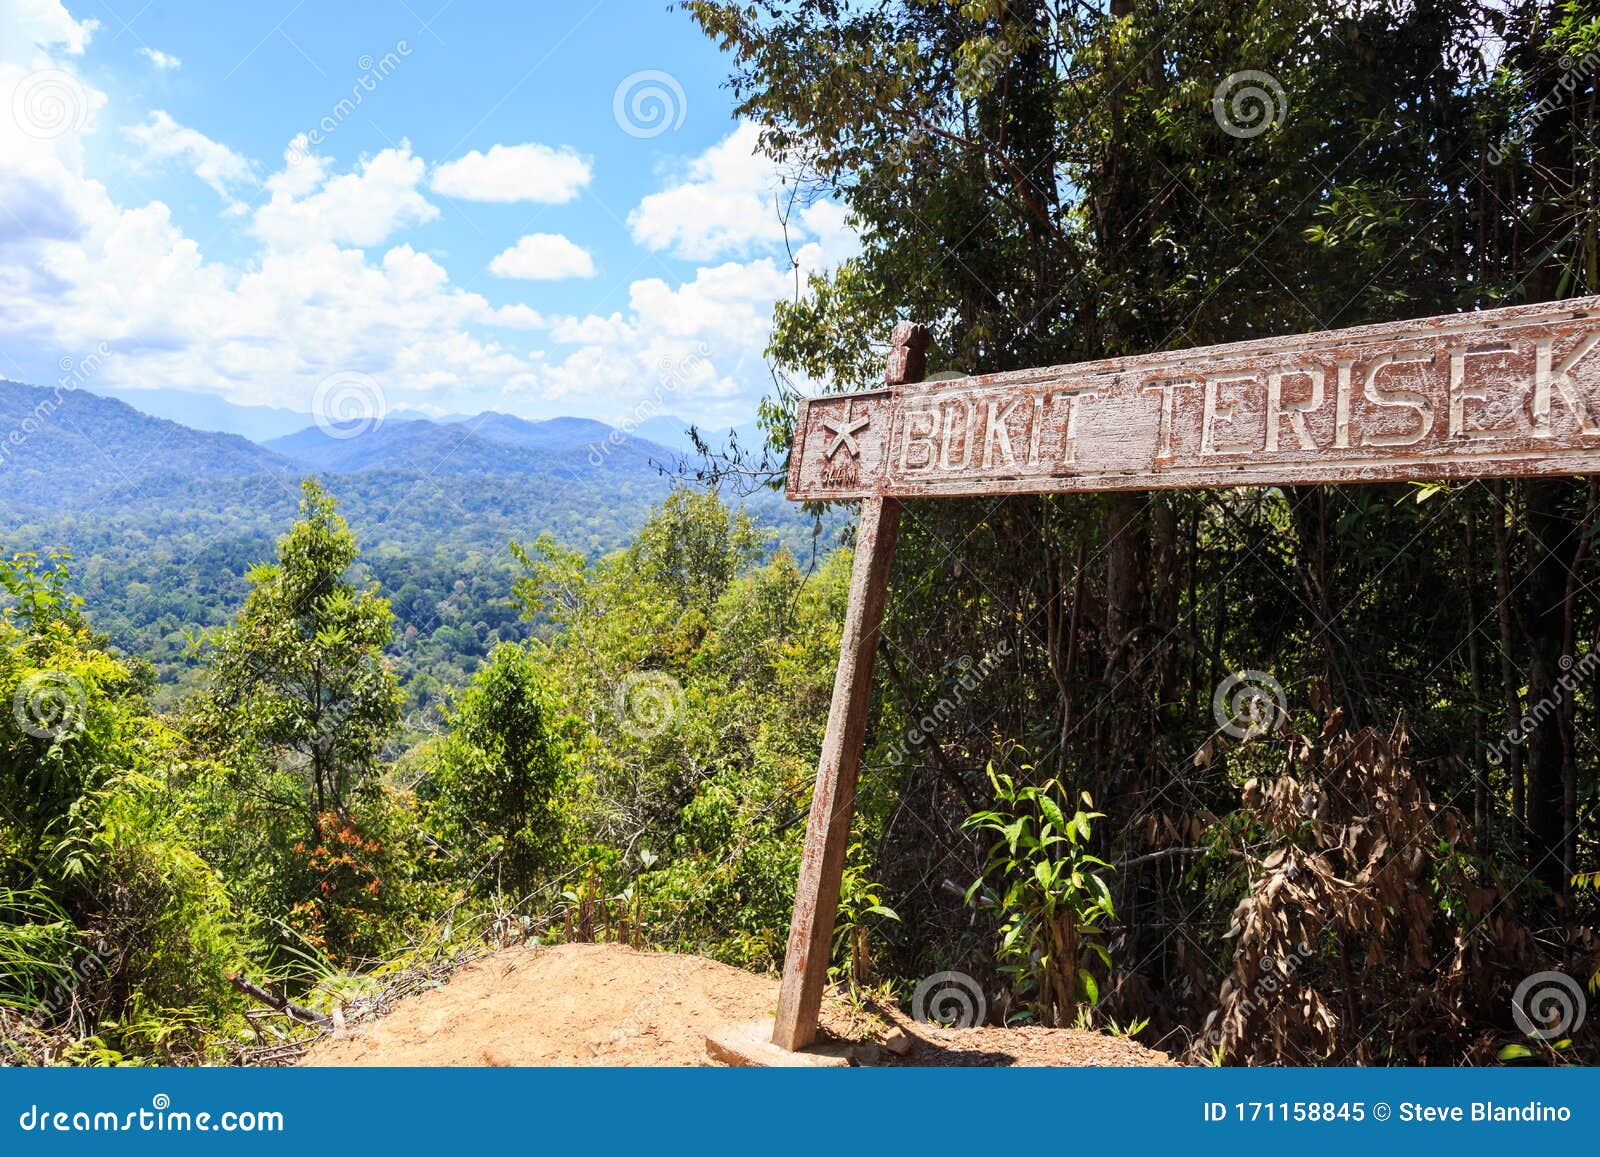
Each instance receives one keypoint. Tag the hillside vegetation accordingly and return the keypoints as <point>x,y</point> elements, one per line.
<point>163,521</point>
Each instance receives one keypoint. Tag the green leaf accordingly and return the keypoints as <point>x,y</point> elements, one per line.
<point>1013,832</point>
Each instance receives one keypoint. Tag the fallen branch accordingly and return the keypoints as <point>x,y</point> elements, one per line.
<point>1163,854</point>
<point>281,1004</point>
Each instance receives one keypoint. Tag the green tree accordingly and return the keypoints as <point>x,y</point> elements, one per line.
<point>298,705</point>
<point>697,679</point>
<point>502,772</point>
<point>692,546</point>
<point>116,937</point>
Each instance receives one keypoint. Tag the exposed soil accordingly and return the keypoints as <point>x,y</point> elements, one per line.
<point>602,1004</point>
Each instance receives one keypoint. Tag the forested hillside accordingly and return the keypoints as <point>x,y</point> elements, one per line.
<point>163,522</point>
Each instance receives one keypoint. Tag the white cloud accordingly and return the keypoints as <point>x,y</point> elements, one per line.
<point>40,25</point>
<point>361,208</point>
<point>46,111</point>
<point>303,171</point>
<point>694,350</point>
<point>78,270</point>
<point>517,317</point>
<point>163,61</point>
<point>530,172</point>
<point>726,205</point>
<point>264,333</point>
<point>543,257</point>
<point>827,223</point>
<point>164,139</point>
<point>331,286</point>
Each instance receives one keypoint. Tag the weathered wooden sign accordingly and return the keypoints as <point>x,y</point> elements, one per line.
<point>1508,392</point>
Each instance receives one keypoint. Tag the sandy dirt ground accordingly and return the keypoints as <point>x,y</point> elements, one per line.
<point>602,1004</point>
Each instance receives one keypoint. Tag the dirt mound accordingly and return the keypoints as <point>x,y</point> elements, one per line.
<point>601,1004</point>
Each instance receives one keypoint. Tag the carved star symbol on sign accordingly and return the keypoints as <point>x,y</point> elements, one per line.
<point>844,431</point>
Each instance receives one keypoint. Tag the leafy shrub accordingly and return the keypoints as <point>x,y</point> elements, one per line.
<point>120,945</point>
<point>503,774</point>
<point>1039,880</point>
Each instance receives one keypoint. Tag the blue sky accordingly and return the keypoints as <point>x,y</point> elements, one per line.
<point>545,208</point>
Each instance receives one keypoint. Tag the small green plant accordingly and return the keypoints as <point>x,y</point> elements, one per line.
<point>1039,879</point>
<point>1088,1021</point>
<point>1590,880</point>
<point>861,909</point>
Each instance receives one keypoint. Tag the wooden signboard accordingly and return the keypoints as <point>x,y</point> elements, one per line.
<point>1503,393</point>
<point>1511,392</point>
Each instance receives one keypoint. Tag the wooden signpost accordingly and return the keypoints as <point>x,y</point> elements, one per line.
<point>1505,393</point>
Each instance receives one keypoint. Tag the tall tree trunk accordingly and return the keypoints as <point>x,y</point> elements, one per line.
<point>1127,613</point>
<point>1552,548</point>
<point>1553,533</point>
<point>1510,682</point>
<point>1479,769</point>
<point>1309,511</point>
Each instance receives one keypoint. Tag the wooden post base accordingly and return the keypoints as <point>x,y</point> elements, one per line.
<point>816,899</point>
<point>748,1044</point>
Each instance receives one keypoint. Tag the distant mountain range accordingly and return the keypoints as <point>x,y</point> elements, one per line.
<point>164,519</point>
<point>266,424</point>
<point>61,449</point>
